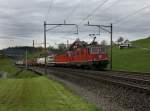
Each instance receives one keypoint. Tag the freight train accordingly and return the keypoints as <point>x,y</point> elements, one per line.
<point>79,54</point>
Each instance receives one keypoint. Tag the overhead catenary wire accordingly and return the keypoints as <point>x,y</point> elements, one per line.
<point>130,15</point>
<point>73,11</point>
<point>126,18</point>
<point>114,3</point>
<point>90,14</point>
<point>93,11</point>
<point>107,8</point>
<point>49,10</point>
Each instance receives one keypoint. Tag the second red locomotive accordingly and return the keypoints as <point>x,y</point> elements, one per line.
<point>82,54</point>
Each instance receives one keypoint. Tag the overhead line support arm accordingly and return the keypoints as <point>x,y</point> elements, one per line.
<point>45,30</point>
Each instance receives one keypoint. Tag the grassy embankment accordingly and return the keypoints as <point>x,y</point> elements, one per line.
<point>7,66</point>
<point>133,59</point>
<point>29,92</point>
<point>38,94</point>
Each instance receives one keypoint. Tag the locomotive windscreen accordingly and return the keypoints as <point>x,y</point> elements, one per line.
<point>94,50</point>
<point>97,50</point>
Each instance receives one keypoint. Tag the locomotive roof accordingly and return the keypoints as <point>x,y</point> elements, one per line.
<point>78,44</point>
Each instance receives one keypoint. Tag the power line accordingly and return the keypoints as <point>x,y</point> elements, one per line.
<point>130,15</point>
<point>107,8</point>
<point>114,3</point>
<point>49,9</point>
<point>93,11</point>
<point>72,11</point>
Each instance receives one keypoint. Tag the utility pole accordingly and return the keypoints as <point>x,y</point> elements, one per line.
<point>67,44</point>
<point>55,26</point>
<point>111,34</point>
<point>45,51</point>
<point>104,27</point>
<point>33,43</point>
<point>26,58</point>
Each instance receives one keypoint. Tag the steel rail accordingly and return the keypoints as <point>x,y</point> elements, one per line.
<point>135,83</point>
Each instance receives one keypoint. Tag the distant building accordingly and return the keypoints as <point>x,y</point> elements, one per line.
<point>125,44</point>
<point>1,53</point>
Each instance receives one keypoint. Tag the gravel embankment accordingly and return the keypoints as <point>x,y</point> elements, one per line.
<point>105,95</point>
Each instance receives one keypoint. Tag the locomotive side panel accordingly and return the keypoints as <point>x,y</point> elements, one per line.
<point>61,59</point>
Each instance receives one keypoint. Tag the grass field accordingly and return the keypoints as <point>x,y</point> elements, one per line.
<point>7,65</point>
<point>132,59</point>
<point>38,94</point>
<point>28,91</point>
<point>26,74</point>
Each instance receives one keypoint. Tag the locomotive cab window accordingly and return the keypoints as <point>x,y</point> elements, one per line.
<point>103,49</point>
<point>94,50</point>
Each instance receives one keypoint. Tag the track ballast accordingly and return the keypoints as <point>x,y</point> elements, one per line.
<point>136,81</point>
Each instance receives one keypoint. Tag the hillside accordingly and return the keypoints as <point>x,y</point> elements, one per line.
<point>20,52</point>
<point>132,59</point>
<point>143,43</point>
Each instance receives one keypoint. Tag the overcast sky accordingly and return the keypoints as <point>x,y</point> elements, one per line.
<point>21,21</point>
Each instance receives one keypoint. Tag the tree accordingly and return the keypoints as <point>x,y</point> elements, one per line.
<point>51,48</point>
<point>126,41</point>
<point>103,42</point>
<point>120,40</point>
<point>62,46</point>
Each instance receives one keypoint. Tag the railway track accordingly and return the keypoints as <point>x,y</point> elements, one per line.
<point>136,81</point>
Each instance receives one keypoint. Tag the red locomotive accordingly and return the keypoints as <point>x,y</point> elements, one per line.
<point>81,54</point>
